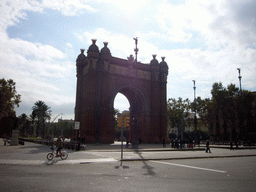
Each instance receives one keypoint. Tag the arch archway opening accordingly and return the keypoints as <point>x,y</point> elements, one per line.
<point>121,103</point>
<point>122,107</point>
<point>129,104</point>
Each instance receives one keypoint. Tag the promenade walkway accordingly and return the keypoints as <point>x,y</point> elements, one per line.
<point>35,154</point>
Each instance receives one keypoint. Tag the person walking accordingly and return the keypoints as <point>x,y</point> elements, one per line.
<point>231,145</point>
<point>164,145</point>
<point>207,147</point>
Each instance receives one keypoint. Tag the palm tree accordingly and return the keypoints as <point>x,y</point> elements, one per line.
<point>24,123</point>
<point>41,112</point>
<point>33,118</point>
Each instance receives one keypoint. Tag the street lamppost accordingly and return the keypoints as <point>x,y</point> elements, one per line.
<point>135,143</point>
<point>194,81</point>
<point>241,103</point>
<point>240,77</point>
<point>195,119</point>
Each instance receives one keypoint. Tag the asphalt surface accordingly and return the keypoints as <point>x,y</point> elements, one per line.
<point>215,174</point>
<point>35,154</point>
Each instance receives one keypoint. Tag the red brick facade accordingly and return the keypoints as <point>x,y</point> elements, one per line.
<point>100,77</point>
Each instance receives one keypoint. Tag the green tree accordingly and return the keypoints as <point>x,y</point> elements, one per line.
<point>177,113</point>
<point>24,124</point>
<point>202,108</point>
<point>41,112</point>
<point>227,111</point>
<point>8,98</point>
<point>33,120</point>
<point>67,129</point>
<point>247,115</point>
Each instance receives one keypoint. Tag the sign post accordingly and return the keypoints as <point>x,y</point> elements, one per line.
<point>77,127</point>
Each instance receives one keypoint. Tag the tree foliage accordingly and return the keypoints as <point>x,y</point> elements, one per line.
<point>8,98</point>
<point>177,112</point>
<point>25,125</point>
<point>41,112</point>
<point>62,128</point>
<point>229,112</point>
<point>228,115</point>
<point>201,107</point>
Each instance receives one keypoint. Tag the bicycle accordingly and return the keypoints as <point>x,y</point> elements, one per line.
<point>63,154</point>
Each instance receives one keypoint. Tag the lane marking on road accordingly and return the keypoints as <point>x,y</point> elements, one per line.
<point>192,167</point>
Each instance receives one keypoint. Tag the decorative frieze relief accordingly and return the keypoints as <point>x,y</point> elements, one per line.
<point>129,71</point>
<point>144,75</point>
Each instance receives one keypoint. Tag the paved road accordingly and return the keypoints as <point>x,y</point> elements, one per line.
<point>215,174</point>
<point>150,168</point>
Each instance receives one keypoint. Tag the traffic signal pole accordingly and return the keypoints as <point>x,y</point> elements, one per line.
<point>121,125</point>
<point>122,122</point>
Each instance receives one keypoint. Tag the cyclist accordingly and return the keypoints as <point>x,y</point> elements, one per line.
<point>59,146</point>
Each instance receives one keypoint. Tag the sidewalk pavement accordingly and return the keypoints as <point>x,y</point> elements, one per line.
<point>35,154</point>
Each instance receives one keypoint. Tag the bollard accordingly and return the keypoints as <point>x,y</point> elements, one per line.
<point>15,134</point>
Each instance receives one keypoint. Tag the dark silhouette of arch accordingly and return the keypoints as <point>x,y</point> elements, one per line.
<point>100,77</point>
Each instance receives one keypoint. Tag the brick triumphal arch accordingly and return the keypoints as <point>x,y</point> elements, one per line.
<point>100,77</point>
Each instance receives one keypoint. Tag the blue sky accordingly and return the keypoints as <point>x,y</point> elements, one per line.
<point>202,40</point>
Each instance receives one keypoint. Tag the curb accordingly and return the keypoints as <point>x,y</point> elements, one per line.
<point>180,158</point>
<point>142,150</point>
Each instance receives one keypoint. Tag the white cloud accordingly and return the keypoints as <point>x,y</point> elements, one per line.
<point>69,45</point>
<point>207,65</point>
<point>12,11</point>
<point>222,32</point>
<point>39,70</point>
<point>128,8</point>
<point>116,41</point>
<point>68,7</point>
<point>227,28</point>
<point>37,67</point>
<point>220,22</point>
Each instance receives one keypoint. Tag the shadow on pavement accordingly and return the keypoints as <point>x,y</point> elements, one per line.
<point>33,148</point>
<point>52,162</point>
<point>146,166</point>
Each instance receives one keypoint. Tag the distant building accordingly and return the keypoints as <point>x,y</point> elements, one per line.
<point>177,130</point>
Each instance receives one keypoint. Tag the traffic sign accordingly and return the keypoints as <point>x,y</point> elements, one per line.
<point>77,125</point>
